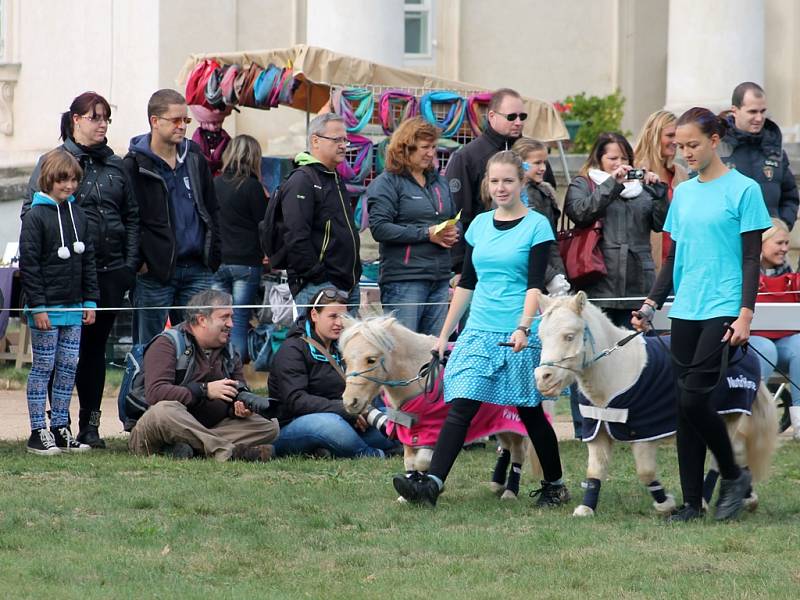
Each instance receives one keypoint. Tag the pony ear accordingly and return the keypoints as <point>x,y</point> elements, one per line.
<point>348,321</point>
<point>545,302</point>
<point>388,322</point>
<point>579,302</point>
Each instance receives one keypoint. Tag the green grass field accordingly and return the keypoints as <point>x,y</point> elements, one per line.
<point>109,525</point>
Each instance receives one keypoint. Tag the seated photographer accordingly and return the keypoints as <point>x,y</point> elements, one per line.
<point>202,411</point>
<point>307,381</point>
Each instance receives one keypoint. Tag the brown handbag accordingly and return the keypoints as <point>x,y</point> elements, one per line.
<point>580,250</point>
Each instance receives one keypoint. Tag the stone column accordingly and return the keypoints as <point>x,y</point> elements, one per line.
<point>370,30</point>
<point>712,47</point>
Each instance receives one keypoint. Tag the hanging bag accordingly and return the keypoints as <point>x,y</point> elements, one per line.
<point>580,250</point>
<point>778,288</point>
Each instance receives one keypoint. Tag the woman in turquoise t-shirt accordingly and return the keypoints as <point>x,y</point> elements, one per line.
<point>504,265</point>
<point>715,222</point>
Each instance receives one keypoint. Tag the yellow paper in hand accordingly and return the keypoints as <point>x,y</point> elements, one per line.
<point>441,226</point>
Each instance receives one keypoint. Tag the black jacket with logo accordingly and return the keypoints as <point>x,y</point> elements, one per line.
<point>157,234</point>
<point>318,228</point>
<point>761,157</point>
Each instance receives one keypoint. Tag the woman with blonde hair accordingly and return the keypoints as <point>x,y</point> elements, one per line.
<point>242,204</point>
<point>655,151</point>
<point>407,203</point>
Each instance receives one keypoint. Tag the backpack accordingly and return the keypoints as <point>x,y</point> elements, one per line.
<point>271,228</point>
<point>131,401</point>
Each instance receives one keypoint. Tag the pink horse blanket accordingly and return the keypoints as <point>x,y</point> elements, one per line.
<point>430,411</point>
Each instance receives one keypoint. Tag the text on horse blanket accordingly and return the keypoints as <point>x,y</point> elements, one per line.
<point>648,410</point>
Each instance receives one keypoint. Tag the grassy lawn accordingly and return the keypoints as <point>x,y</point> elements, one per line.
<point>108,525</point>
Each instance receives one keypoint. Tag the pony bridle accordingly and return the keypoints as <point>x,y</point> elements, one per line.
<point>385,382</point>
<point>587,335</point>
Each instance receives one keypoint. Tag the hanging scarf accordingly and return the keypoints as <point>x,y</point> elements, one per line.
<point>195,91</point>
<point>265,85</point>
<point>288,85</point>
<point>380,155</point>
<point>212,144</point>
<point>444,149</point>
<point>226,84</point>
<point>632,189</point>
<point>362,165</point>
<point>213,90</point>
<point>355,119</point>
<point>477,121</point>
<point>386,108</point>
<point>451,123</point>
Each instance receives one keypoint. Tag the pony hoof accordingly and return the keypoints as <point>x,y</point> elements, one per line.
<point>508,495</point>
<point>583,511</point>
<point>751,502</point>
<point>402,500</point>
<point>497,488</point>
<point>667,506</point>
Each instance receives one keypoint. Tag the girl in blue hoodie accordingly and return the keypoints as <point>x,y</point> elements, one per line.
<point>58,272</point>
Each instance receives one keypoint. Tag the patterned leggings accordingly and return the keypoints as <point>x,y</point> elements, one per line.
<point>57,349</point>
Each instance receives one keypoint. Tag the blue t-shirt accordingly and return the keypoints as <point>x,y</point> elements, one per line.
<point>706,220</point>
<point>500,259</point>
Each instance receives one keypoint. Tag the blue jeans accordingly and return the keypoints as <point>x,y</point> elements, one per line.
<point>307,294</point>
<point>331,432</point>
<point>419,305</point>
<point>785,353</point>
<point>241,282</point>
<point>185,282</point>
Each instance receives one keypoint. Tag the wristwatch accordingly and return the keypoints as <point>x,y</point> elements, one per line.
<point>523,329</point>
<point>204,389</point>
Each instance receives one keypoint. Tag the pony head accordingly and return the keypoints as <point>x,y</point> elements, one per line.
<point>367,348</point>
<point>562,334</point>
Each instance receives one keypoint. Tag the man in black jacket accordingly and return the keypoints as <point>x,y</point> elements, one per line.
<point>318,226</point>
<point>179,240</point>
<point>753,146</point>
<point>505,115</point>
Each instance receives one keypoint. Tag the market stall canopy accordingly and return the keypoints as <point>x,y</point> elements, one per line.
<point>319,69</point>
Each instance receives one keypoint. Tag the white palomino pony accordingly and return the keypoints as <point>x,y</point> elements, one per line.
<point>391,353</point>
<point>566,332</point>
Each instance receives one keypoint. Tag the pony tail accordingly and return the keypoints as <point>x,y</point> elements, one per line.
<point>722,125</point>
<point>66,125</point>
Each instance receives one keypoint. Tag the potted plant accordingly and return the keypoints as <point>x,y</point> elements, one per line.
<point>572,124</point>
<point>588,116</point>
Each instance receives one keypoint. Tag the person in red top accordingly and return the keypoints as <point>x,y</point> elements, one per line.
<point>782,348</point>
<point>655,151</point>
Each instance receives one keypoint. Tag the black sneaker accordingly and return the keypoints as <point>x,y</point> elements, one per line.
<point>732,493</point>
<point>685,514</point>
<point>417,488</point>
<point>42,442</point>
<point>551,495</point>
<point>66,442</point>
<point>179,451</point>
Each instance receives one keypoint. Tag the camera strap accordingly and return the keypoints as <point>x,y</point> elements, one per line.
<point>336,366</point>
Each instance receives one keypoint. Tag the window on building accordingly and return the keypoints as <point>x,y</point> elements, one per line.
<point>418,25</point>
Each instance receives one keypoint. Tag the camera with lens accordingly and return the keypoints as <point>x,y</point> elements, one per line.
<point>259,405</point>
<point>635,174</point>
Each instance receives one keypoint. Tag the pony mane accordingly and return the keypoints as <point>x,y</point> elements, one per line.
<point>374,329</point>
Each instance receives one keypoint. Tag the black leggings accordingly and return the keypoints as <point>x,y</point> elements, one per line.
<point>699,425</point>
<point>454,432</point>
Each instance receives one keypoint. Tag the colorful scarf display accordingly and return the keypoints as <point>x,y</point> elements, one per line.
<point>386,109</point>
<point>452,121</point>
<point>477,122</point>
<point>355,119</point>
<point>361,166</point>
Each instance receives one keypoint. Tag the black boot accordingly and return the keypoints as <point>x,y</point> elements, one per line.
<point>88,423</point>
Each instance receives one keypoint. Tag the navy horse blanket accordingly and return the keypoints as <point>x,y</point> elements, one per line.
<point>648,409</point>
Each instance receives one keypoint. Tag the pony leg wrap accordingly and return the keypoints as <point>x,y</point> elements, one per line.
<point>500,468</point>
<point>592,493</point>
<point>709,484</point>
<point>512,485</point>
<point>657,491</point>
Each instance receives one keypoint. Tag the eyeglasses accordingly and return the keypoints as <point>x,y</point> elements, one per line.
<point>97,118</point>
<point>177,120</point>
<point>330,294</point>
<point>513,116</point>
<point>339,141</point>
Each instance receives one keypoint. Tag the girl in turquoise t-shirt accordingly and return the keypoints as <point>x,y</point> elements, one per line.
<point>504,266</point>
<point>715,222</point>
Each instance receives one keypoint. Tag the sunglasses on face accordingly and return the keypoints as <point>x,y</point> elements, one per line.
<point>329,294</point>
<point>513,116</point>
<point>176,121</point>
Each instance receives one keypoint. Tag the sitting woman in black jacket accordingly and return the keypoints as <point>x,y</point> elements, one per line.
<point>307,380</point>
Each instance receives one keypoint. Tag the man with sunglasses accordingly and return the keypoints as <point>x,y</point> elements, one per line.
<point>506,116</point>
<point>179,240</point>
<point>321,238</point>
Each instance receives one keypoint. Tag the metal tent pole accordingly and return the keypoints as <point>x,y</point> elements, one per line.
<point>564,161</point>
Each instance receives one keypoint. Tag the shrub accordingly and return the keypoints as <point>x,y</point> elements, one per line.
<point>597,114</point>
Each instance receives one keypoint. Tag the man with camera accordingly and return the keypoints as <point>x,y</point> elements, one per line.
<point>205,410</point>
